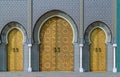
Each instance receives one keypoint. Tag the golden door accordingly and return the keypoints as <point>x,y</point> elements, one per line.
<point>15,51</point>
<point>98,51</point>
<point>56,49</point>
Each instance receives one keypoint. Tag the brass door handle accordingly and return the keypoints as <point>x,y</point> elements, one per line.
<point>17,50</point>
<point>99,49</point>
<point>58,49</point>
<point>55,49</point>
<point>13,49</point>
<point>96,50</point>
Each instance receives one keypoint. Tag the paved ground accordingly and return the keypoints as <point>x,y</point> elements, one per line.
<point>57,74</point>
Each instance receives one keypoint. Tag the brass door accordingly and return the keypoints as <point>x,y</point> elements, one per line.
<point>15,51</point>
<point>56,49</point>
<point>98,51</point>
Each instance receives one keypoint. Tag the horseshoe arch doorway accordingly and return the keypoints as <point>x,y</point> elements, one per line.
<point>56,48</point>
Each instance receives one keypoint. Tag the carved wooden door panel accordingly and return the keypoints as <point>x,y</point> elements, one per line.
<point>15,51</point>
<point>97,51</point>
<point>102,51</point>
<point>56,49</point>
<point>48,45</point>
<point>64,45</point>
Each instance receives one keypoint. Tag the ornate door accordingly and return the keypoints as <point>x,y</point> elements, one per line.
<point>15,51</point>
<point>98,51</point>
<point>56,49</point>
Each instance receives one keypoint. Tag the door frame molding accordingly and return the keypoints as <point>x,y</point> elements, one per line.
<point>36,39</point>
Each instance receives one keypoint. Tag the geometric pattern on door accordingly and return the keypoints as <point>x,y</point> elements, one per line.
<point>15,50</point>
<point>98,51</point>
<point>56,48</point>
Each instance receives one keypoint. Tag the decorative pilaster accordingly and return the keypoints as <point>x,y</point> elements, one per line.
<point>81,68</point>
<point>29,66</point>
<point>29,24</point>
<point>114,35</point>
<point>114,58</point>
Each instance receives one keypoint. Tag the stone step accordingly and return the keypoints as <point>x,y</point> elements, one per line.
<point>58,74</point>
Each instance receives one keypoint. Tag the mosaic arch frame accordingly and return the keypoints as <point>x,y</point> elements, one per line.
<point>101,25</point>
<point>8,27</point>
<point>86,48</point>
<point>50,14</point>
<point>43,19</point>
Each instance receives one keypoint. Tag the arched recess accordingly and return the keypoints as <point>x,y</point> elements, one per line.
<point>98,50</point>
<point>36,39</point>
<point>86,49</point>
<point>4,43</point>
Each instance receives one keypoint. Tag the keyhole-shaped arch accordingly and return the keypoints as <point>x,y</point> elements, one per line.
<point>8,27</point>
<point>101,25</point>
<point>4,40</point>
<point>108,35</point>
<point>50,14</point>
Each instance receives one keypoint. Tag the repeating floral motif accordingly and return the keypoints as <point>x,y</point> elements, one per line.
<point>98,50</point>
<point>15,51</point>
<point>56,49</point>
